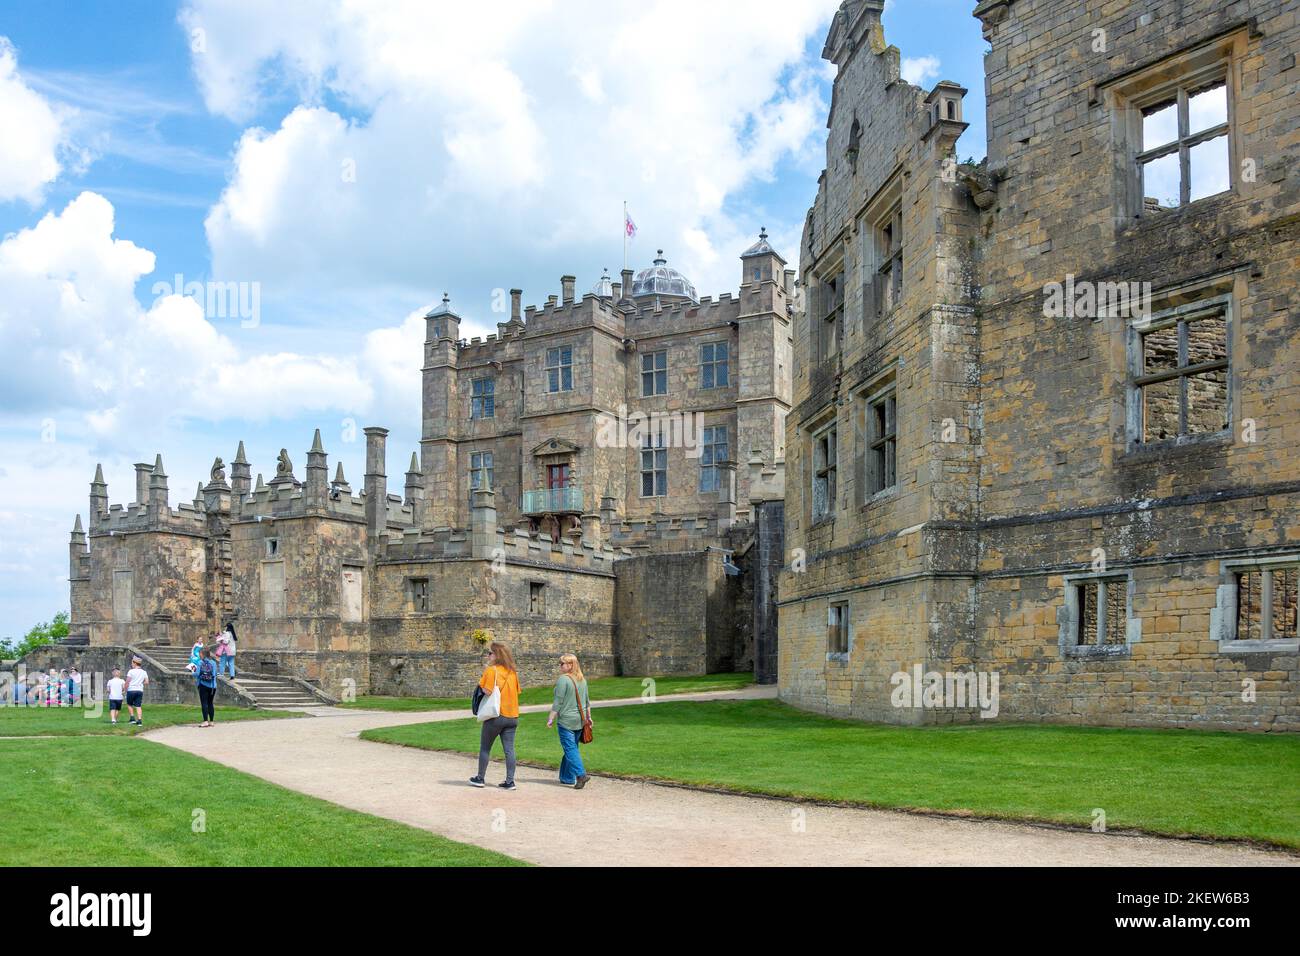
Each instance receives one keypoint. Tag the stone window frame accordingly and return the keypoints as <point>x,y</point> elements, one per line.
<point>482,402</point>
<point>1069,620</point>
<point>1178,315</point>
<point>559,372</point>
<point>537,598</point>
<point>1223,617</point>
<point>475,470</point>
<point>653,446</point>
<point>271,547</point>
<point>839,631</point>
<point>654,378</point>
<point>1129,94</point>
<point>720,367</point>
<point>827,311</point>
<point>876,261</point>
<point>709,456</point>
<point>283,602</point>
<point>825,469</point>
<point>865,396</point>
<point>418,593</point>
<point>882,442</point>
<point>359,569</point>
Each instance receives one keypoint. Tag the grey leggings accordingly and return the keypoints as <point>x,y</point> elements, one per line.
<point>504,727</point>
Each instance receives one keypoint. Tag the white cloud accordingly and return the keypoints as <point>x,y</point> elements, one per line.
<point>34,134</point>
<point>919,70</point>
<point>77,340</point>
<point>492,143</point>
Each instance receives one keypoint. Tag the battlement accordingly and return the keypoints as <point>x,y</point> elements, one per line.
<point>186,518</point>
<point>511,545</point>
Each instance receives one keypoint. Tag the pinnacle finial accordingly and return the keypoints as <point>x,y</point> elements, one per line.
<point>415,463</point>
<point>239,455</point>
<point>762,232</point>
<point>338,475</point>
<point>158,467</point>
<point>260,484</point>
<point>76,528</point>
<point>316,447</point>
<point>99,474</point>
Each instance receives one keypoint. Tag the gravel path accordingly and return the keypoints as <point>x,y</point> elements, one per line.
<point>624,823</point>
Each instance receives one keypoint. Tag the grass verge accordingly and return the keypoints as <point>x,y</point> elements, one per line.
<point>80,722</point>
<point>117,802</point>
<point>1169,782</point>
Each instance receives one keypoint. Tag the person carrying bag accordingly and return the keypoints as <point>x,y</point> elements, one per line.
<point>498,712</point>
<point>572,709</point>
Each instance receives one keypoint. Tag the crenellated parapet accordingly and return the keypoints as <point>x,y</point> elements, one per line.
<point>512,546</point>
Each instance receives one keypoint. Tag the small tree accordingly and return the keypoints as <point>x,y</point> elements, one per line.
<point>38,636</point>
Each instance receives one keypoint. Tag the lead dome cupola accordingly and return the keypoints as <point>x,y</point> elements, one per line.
<point>662,281</point>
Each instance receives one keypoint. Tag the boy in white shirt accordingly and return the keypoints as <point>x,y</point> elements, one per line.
<point>116,691</point>
<point>136,681</point>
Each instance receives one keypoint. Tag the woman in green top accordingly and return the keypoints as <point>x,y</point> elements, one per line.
<point>570,707</point>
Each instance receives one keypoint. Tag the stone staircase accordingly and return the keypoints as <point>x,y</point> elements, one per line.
<point>271,693</point>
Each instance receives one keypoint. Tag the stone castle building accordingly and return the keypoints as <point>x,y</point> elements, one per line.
<point>541,509</point>
<point>1045,407</point>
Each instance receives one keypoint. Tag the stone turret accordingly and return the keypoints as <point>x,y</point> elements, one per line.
<point>483,522</point>
<point>98,498</point>
<point>158,490</point>
<point>240,480</point>
<point>77,549</point>
<point>415,488</point>
<point>376,480</point>
<point>339,487</point>
<point>318,473</point>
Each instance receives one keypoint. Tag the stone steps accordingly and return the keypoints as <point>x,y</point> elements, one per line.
<point>272,693</point>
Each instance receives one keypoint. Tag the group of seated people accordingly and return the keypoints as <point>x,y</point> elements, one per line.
<point>58,688</point>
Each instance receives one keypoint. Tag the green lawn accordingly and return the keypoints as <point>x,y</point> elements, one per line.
<point>600,688</point>
<point>77,721</point>
<point>1239,786</point>
<point>117,802</point>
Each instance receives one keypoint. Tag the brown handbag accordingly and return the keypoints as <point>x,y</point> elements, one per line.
<point>585,736</point>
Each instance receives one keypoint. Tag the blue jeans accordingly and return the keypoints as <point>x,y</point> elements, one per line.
<point>571,767</point>
<point>222,661</point>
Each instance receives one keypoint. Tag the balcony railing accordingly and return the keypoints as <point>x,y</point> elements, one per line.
<point>552,501</point>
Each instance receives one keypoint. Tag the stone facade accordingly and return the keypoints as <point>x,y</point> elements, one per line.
<point>1098,506</point>
<point>552,550</point>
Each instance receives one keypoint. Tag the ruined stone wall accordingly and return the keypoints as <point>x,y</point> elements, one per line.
<point>1034,468</point>
<point>432,653</point>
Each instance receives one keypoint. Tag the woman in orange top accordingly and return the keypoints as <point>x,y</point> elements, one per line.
<point>500,672</point>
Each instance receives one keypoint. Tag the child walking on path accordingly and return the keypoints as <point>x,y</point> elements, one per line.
<point>572,708</point>
<point>116,691</point>
<point>136,681</point>
<point>499,673</point>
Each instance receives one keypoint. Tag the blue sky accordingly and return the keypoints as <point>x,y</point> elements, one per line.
<point>352,162</point>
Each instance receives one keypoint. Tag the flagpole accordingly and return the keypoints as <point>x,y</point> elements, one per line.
<point>624,235</point>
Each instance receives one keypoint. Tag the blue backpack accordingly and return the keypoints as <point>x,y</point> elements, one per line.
<point>207,671</point>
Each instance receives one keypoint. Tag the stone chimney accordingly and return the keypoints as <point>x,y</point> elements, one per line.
<point>483,523</point>
<point>627,283</point>
<point>316,493</point>
<point>566,288</point>
<point>142,470</point>
<point>376,480</point>
<point>516,310</point>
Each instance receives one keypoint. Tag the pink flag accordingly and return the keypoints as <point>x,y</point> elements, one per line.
<point>629,225</point>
